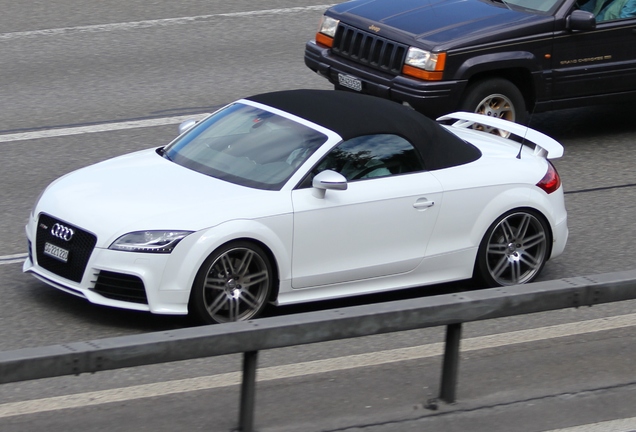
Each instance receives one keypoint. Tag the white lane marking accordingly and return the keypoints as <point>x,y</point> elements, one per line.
<point>106,127</point>
<point>12,259</point>
<point>99,28</point>
<point>124,26</point>
<point>311,367</point>
<point>620,425</point>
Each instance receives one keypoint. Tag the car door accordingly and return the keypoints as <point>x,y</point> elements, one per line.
<point>378,226</point>
<point>596,62</point>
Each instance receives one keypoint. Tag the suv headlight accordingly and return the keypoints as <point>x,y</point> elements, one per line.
<point>327,31</point>
<point>149,241</point>
<point>424,64</point>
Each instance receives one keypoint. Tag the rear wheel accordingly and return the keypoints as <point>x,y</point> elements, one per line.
<point>495,97</point>
<point>233,284</point>
<point>514,249</point>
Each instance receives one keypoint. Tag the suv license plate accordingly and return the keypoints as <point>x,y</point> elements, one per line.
<point>350,82</point>
<point>55,252</point>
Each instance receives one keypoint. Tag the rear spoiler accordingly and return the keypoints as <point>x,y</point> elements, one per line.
<point>544,145</point>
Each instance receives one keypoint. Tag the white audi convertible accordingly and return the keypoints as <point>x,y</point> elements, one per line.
<point>297,196</point>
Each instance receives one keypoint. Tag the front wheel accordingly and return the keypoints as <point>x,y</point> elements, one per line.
<point>514,249</point>
<point>233,284</point>
<point>495,97</point>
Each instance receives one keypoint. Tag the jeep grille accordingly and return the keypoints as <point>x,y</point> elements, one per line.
<point>369,49</point>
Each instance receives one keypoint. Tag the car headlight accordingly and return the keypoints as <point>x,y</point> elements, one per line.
<point>424,64</point>
<point>149,241</point>
<point>327,31</point>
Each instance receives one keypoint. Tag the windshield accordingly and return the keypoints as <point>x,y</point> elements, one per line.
<point>534,5</point>
<point>246,145</point>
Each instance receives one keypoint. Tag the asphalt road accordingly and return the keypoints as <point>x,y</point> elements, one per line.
<point>95,67</point>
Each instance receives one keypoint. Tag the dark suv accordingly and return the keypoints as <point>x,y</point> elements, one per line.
<point>503,58</point>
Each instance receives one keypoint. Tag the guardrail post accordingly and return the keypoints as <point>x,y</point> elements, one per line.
<point>450,366</point>
<point>248,391</point>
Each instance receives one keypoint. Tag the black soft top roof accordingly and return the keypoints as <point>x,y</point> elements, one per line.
<point>352,114</point>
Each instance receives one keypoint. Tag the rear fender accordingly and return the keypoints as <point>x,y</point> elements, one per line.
<point>453,234</point>
<point>514,199</point>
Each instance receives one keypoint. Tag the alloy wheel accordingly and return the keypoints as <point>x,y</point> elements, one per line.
<point>516,249</point>
<point>236,286</point>
<point>499,106</point>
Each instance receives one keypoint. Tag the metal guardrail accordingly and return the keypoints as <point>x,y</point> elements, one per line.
<point>249,337</point>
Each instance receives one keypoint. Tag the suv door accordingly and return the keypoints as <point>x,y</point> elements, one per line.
<point>598,62</point>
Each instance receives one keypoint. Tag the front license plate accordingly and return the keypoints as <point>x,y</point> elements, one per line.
<point>55,252</point>
<point>350,82</point>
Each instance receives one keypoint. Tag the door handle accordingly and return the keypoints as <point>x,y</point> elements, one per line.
<point>423,203</point>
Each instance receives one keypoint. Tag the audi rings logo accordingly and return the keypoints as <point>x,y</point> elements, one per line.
<point>62,232</point>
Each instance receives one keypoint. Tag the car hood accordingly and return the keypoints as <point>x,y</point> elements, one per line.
<point>435,22</point>
<point>144,191</point>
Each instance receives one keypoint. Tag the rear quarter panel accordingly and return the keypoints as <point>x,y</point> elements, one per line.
<point>476,194</point>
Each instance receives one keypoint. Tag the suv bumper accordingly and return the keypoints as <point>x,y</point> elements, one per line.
<point>431,98</point>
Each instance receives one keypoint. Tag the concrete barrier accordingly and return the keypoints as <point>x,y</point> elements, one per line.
<point>451,310</point>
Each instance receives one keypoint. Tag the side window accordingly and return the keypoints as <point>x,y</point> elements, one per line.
<point>608,10</point>
<point>371,156</point>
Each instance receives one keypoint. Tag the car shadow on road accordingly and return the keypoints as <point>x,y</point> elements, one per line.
<point>403,294</point>
<point>588,122</point>
<point>80,312</point>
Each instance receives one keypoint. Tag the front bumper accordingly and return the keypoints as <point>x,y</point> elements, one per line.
<point>126,280</point>
<point>431,98</point>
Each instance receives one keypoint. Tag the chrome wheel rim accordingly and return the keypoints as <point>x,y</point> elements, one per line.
<point>499,106</point>
<point>517,249</point>
<point>236,285</point>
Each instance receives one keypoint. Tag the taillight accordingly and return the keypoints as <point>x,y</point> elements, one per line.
<point>551,180</point>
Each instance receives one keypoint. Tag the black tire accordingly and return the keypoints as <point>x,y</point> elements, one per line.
<point>495,97</point>
<point>233,284</point>
<point>514,249</point>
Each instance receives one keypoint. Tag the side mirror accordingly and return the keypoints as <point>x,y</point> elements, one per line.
<point>328,179</point>
<point>580,20</point>
<point>186,125</point>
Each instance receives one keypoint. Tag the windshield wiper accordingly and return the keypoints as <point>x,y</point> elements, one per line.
<point>504,2</point>
<point>162,152</point>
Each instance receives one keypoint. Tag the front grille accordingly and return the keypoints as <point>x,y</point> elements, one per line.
<point>120,286</point>
<point>369,49</point>
<point>80,247</point>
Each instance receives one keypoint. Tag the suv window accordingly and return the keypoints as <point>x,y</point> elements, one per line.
<point>607,10</point>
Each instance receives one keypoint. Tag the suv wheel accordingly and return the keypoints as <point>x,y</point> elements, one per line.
<point>495,97</point>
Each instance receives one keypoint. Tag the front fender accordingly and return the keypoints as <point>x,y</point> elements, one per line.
<point>522,60</point>
<point>274,233</point>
